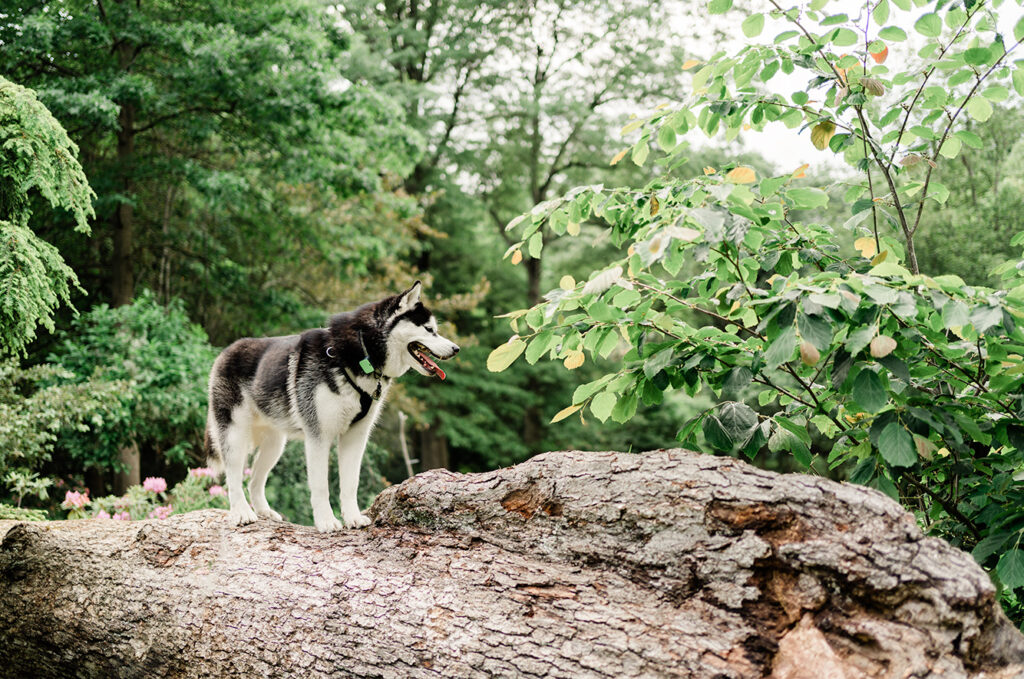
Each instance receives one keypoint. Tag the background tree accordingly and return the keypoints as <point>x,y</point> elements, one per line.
<point>37,160</point>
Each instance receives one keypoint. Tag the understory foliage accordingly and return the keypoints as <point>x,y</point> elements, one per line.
<point>161,361</point>
<point>823,340</point>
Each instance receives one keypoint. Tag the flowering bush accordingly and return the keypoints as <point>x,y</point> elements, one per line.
<point>152,500</point>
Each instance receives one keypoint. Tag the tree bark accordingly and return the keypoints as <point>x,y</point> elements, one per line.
<point>663,564</point>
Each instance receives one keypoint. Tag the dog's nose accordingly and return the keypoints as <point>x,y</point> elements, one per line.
<point>456,349</point>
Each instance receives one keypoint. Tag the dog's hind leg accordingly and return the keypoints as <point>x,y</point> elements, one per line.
<point>238,445</point>
<point>269,449</point>
<point>318,457</point>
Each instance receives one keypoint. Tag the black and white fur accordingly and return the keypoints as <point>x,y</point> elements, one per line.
<point>264,391</point>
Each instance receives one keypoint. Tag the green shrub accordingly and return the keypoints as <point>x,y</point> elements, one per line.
<point>913,381</point>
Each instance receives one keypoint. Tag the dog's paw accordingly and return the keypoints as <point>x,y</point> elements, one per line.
<point>357,520</point>
<point>328,524</point>
<point>240,516</point>
<point>268,513</point>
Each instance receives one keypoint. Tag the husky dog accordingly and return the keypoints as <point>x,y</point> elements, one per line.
<point>325,384</point>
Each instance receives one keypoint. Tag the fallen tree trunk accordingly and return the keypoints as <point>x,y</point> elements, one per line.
<point>569,565</point>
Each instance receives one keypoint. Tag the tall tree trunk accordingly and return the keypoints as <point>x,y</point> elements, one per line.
<point>123,286</point>
<point>665,564</point>
<point>434,452</point>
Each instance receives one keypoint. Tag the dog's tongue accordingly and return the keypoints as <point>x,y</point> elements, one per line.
<point>433,367</point>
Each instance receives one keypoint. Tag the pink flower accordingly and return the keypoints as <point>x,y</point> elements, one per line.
<point>201,472</point>
<point>217,490</point>
<point>154,484</point>
<point>121,516</point>
<point>247,471</point>
<point>102,514</point>
<point>160,512</point>
<point>75,500</point>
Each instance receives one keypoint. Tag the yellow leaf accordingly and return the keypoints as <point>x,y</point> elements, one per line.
<point>741,175</point>
<point>517,257</point>
<point>809,354</point>
<point>619,156</point>
<point>565,412</point>
<point>690,63</point>
<point>655,205</point>
<point>882,346</point>
<point>822,133</point>
<point>866,246</point>
<point>573,228</point>
<point>505,355</point>
<point>709,170</point>
<point>573,360</point>
<point>879,258</point>
<point>799,173</point>
<point>567,282</point>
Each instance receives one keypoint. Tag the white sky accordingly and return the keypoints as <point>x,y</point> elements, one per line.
<point>787,148</point>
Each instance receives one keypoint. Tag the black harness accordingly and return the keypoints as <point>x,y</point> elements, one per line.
<point>365,398</point>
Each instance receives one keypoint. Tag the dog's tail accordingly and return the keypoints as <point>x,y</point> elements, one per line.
<point>213,457</point>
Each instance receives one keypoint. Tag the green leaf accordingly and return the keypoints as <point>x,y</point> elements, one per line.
<point>929,25</point>
<point>807,198</point>
<point>538,345</point>
<point>1010,568</point>
<point>815,330</point>
<point>608,343</point>
<point>666,138</point>
<point>737,420</point>
<point>781,349</point>
<point>719,6</point>
<point>640,152</point>
<point>535,245</point>
<point>1018,81</point>
<point>881,12</point>
<point>625,408</point>
<point>954,314</point>
<point>951,147</point>
<point>602,405</point>
<point>1018,30</point>
<point>844,38</point>
<point>979,108</point>
<point>860,338</point>
<point>753,25</point>
<point>897,446</point>
<point>892,34</point>
<point>989,546</point>
<point>505,355</point>
<point>784,439</point>
<point>715,434</point>
<point>977,56</point>
<point>585,391</point>
<point>868,391</point>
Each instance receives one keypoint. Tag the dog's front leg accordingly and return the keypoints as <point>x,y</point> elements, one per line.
<point>318,455</point>
<point>351,446</point>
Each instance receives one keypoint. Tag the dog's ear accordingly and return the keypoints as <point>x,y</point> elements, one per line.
<point>410,298</point>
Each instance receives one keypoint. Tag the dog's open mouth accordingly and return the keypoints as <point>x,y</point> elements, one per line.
<point>425,356</point>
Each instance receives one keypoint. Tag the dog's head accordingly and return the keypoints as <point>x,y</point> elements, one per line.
<point>410,333</point>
